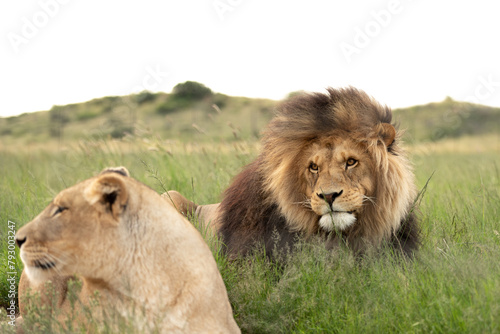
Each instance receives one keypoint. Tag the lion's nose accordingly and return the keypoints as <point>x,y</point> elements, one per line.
<point>330,198</point>
<point>20,242</point>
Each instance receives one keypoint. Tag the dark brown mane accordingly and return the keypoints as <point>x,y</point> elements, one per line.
<point>306,116</point>
<point>247,217</point>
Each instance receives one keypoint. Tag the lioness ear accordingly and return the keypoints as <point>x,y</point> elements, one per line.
<point>109,191</point>
<point>119,170</point>
<point>387,133</point>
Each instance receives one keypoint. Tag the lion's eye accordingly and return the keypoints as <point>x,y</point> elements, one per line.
<point>59,210</point>
<point>313,168</point>
<point>351,162</point>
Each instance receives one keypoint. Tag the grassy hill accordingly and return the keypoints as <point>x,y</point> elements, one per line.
<point>218,117</point>
<point>117,116</point>
<point>447,119</point>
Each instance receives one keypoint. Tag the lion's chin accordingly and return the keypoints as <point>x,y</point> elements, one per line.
<point>336,220</point>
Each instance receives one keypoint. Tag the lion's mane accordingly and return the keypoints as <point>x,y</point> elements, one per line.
<point>263,199</point>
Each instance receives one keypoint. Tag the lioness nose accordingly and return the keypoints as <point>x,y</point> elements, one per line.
<point>330,198</point>
<point>20,242</point>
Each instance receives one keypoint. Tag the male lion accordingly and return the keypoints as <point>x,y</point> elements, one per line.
<point>139,254</point>
<point>331,165</point>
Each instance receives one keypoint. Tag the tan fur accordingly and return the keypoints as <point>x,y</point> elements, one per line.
<point>305,162</point>
<point>206,214</point>
<point>123,241</point>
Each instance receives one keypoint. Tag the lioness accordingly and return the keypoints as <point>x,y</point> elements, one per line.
<point>137,252</point>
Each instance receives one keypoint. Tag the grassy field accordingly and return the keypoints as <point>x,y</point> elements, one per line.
<point>452,287</point>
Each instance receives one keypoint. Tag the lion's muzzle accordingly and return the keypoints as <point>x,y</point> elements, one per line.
<point>339,220</point>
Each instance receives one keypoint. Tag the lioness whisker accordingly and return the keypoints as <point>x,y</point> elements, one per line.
<point>54,260</point>
<point>60,256</point>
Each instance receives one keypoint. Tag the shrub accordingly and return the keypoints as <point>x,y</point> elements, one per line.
<point>183,96</point>
<point>191,90</point>
<point>118,128</point>
<point>87,114</point>
<point>220,100</point>
<point>173,104</point>
<point>58,119</point>
<point>145,97</point>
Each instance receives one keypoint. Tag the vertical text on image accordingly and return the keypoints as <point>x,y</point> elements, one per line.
<point>11,271</point>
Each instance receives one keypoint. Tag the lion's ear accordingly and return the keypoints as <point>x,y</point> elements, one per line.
<point>387,133</point>
<point>109,192</point>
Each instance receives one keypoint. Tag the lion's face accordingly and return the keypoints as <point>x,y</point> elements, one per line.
<point>338,174</point>
<point>67,237</point>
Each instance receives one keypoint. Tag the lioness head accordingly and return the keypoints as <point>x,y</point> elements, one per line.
<point>67,237</point>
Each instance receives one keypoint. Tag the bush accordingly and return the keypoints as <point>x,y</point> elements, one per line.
<point>296,93</point>
<point>183,96</point>
<point>191,90</point>
<point>220,100</point>
<point>87,114</point>
<point>58,119</point>
<point>145,97</point>
<point>173,104</point>
<point>118,128</point>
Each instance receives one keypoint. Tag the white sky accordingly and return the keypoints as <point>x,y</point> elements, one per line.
<point>67,51</point>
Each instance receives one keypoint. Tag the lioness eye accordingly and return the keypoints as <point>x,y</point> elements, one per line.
<point>59,210</point>
<point>313,168</point>
<point>351,162</point>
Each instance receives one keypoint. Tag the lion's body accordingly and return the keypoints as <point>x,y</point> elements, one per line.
<point>331,165</point>
<point>121,240</point>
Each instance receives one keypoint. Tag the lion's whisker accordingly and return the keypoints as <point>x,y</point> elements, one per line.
<point>369,199</point>
<point>306,204</point>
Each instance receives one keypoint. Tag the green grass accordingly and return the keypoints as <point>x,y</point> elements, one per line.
<point>452,287</point>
